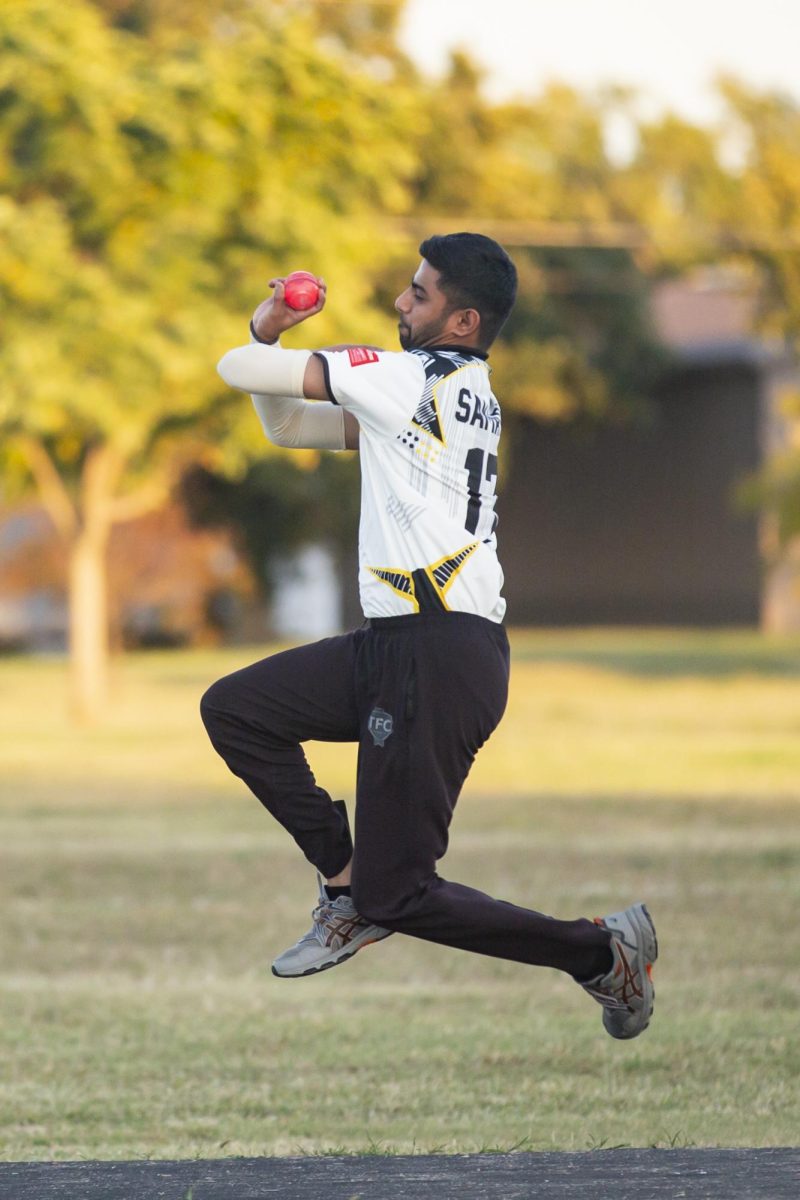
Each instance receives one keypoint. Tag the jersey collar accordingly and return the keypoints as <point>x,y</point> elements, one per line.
<point>469,351</point>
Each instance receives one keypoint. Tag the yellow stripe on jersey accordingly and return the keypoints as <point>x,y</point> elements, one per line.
<point>399,581</point>
<point>443,572</point>
<point>428,415</point>
<point>428,418</point>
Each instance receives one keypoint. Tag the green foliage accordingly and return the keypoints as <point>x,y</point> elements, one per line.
<point>677,189</point>
<point>767,127</point>
<point>765,239</point>
<point>151,186</point>
<point>579,343</point>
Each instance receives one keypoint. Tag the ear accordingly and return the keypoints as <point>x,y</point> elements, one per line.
<point>465,323</point>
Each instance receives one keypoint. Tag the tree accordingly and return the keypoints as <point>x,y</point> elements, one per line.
<point>151,176</point>
<point>765,226</point>
<point>764,239</point>
<point>731,197</point>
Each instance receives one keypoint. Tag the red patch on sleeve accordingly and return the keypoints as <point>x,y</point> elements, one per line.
<point>360,355</point>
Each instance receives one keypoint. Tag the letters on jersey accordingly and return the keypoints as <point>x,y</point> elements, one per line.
<point>430,428</point>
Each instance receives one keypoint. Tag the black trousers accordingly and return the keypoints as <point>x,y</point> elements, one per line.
<point>420,695</point>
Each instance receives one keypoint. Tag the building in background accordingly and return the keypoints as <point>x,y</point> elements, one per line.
<point>644,523</point>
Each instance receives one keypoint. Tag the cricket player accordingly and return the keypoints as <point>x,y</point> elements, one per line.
<point>422,684</point>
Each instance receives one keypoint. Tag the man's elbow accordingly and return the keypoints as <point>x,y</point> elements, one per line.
<point>281,438</point>
<point>229,368</point>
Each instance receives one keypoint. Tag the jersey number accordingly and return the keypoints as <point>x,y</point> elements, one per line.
<point>474,462</point>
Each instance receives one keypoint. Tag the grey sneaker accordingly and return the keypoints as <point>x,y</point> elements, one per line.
<point>626,992</point>
<point>336,934</point>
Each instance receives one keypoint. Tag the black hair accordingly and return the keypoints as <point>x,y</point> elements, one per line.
<point>475,272</point>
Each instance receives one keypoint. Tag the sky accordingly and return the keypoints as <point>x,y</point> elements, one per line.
<point>669,49</point>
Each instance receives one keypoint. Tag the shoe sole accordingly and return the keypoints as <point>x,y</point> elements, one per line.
<point>646,955</point>
<point>340,956</point>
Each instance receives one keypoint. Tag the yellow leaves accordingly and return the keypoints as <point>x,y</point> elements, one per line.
<point>34,242</point>
<point>549,380</point>
<point>66,75</point>
<point>152,193</point>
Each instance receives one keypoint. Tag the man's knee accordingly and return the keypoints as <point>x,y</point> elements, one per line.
<point>216,704</point>
<point>231,708</point>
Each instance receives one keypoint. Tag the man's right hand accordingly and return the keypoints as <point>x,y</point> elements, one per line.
<point>274,316</point>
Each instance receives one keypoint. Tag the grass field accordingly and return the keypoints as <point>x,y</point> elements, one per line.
<point>144,893</point>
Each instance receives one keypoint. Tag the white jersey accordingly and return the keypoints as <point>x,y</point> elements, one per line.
<point>429,431</point>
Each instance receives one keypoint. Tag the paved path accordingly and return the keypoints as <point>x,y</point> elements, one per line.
<point>599,1175</point>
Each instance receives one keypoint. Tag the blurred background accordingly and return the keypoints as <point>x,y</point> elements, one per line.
<point>160,160</point>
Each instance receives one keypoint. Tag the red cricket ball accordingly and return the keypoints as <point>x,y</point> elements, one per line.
<point>301,290</point>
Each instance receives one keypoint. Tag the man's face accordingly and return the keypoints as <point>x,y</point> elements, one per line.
<point>423,310</point>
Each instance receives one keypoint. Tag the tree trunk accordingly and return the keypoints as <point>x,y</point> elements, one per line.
<point>88,625</point>
<point>85,523</point>
<point>89,641</point>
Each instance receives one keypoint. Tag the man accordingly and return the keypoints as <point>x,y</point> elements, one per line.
<point>422,685</point>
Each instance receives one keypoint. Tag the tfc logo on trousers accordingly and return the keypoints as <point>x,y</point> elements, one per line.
<point>380,725</point>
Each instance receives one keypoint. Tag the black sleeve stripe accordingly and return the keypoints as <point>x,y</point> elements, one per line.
<point>326,370</point>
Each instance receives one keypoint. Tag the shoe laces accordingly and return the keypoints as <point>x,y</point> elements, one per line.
<point>328,921</point>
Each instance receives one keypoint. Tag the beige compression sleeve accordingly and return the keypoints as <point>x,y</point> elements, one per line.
<point>268,373</point>
<point>268,370</point>
<point>301,424</point>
